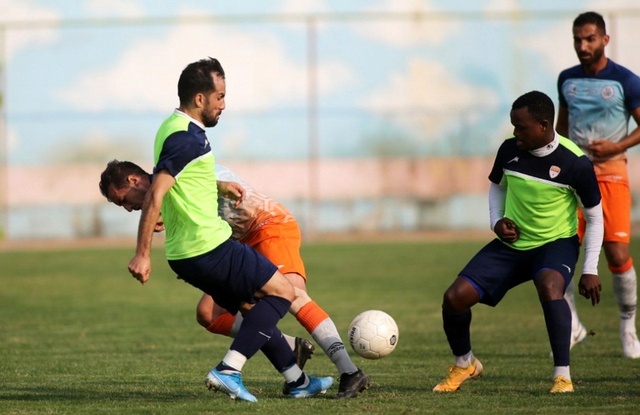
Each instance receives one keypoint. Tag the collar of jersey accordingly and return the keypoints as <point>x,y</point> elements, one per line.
<point>547,149</point>
<point>193,120</point>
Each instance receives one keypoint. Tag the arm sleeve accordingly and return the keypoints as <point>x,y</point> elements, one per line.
<point>497,197</point>
<point>592,238</point>
<point>632,93</point>
<point>180,149</point>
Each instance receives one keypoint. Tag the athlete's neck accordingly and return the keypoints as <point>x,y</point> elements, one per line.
<point>547,149</point>
<point>596,67</point>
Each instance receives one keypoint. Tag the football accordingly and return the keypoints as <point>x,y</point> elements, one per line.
<point>373,334</point>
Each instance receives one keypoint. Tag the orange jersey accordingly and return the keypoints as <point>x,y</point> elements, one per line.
<point>255,211</point>
<point>262,223</point>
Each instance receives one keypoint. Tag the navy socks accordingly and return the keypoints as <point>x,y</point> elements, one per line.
<point>557,317</point>
<point>259,326</point>
<point>456,327</point>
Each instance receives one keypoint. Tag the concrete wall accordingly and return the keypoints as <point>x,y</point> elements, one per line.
<point>346,195</point>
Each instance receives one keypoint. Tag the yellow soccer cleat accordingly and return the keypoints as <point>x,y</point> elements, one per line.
<point>457,375</point>
<point>561,385</point>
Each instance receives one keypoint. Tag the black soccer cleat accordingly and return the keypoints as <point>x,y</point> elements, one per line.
<point>303,351</point>
<point>352,383</point>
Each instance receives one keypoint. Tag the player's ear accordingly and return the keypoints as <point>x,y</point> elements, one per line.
<point>544,125</point>
<point>132,179</point>
<point>199,100</point>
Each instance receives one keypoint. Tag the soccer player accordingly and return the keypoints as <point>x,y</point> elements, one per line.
<point>537,181</point>
<point>597,98</point>
<point>198,245</point>
<point>272,230</point>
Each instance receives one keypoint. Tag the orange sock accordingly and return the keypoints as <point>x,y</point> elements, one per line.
<point>222,324</point>
<point>624,268</point>
<point>311,315</point>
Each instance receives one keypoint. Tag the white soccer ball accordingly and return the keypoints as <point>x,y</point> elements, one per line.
<point>373,334</point>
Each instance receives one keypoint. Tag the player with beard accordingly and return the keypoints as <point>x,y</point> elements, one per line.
<point>597,99</point>
<point>198,245</point>
<point>271,229</point>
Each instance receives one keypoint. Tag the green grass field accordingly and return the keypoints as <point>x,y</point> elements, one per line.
<point>79,336</point>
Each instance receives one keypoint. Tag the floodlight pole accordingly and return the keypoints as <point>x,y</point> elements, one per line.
<point>312,85</point>
<point>4,145</point>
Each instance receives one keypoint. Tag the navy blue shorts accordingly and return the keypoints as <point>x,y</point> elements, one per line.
<point>497,267</point>
<point>231,273</point>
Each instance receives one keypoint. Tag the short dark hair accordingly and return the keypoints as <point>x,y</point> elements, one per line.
<point>539,104</point>
<point>116,174</point>
<point>590,18</point>
<point>196,78</point>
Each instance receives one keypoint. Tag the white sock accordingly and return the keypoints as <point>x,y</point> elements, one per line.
<point>292,374</point>
<point>327,337</point>
<point>464,360</point>
<point>562,371</point>
<point>235,360</point>
<point>569,296</point>
<point>625,291</point>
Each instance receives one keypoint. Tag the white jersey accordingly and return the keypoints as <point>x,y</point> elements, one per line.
<point>255,211</point>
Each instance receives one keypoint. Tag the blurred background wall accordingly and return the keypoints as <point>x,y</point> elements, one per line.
<point>369,116</point>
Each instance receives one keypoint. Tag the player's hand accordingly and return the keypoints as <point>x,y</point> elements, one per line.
<point>603,148</point>
<point>507,230</point>
<point>159,226</point>
<point>589,287</point>
<point>231,190</point>
<point>140,268</point>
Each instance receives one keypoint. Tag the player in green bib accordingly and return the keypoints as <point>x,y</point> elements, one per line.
<point>197,243</point>
<point>537,181</point>
<point>191,229</point>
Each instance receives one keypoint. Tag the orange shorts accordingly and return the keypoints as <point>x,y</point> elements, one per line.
<point>280,244</point>
<point>616,201</point>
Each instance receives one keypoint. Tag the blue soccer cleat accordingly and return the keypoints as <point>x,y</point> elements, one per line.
<point>229,383</point>
<point>314,387</point>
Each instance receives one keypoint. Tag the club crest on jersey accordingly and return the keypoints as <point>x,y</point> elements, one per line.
<point>571,89</point>
<point>607,92</point>
<point>554,171</point>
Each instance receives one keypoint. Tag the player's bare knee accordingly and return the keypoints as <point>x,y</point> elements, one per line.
<point>448,300</point>
<point>302,299</point>
<point>618,259</point>
<point>550,286</point>
<point>296,280</point>
<point>204,315</point>
<point>454,301</point>
<point>460,296</point>
<point>202,319</point>
<point>278,286</point>
<point>204,311</point>
<point>617,253</point>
